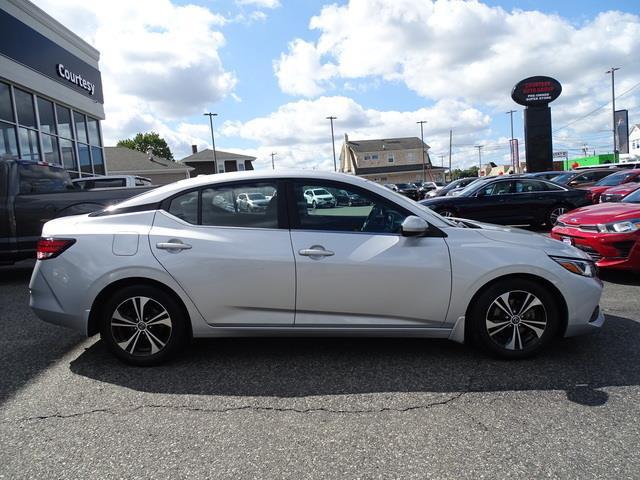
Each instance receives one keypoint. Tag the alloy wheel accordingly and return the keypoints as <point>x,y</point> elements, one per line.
<point>141,326</point>
<point>555,213</point>
<point>516,320</point>
<point>446,213</point>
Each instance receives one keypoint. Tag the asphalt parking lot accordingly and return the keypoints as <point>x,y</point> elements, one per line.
<point>318,408</point>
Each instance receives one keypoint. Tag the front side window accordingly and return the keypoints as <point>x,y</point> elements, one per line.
<point>351,209</point>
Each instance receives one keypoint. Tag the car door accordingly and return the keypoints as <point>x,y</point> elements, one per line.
<point>236,266</point>
<point>354,268</point>
<point>491,203</point>
<point>529,202</point>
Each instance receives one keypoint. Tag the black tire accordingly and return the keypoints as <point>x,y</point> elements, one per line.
<point>446,212</point>
<point>167,334</point>
<point>519,337</point>
<point>554,212</point>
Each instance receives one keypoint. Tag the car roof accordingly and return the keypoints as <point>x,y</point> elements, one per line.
<point>158,194</point>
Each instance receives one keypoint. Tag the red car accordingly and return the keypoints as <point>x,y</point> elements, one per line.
<point>609,232</point>
<point>616,194</point>
<point>613,180</point>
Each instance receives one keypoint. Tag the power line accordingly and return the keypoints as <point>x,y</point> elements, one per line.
<point>597,109</point>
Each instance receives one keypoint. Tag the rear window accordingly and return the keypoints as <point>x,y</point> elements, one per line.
<point>35,178</point>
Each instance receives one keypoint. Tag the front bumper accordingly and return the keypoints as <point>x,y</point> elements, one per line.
<point>608,250</point>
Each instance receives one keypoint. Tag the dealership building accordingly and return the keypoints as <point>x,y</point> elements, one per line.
<point>51,101</point>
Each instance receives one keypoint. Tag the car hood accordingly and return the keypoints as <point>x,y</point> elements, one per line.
<point>524,238</point>
<point>602,213</point>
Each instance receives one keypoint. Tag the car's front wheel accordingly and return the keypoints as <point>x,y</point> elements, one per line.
<point>446,212</point>
<point>143,325</point>
<point>514,318</point>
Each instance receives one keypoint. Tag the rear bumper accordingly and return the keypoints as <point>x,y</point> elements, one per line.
<point>46,305</point>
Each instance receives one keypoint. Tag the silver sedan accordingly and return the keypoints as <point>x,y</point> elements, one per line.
<point>185,261</point>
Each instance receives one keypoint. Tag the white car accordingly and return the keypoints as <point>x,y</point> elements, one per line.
<point>319,197</point>
<point>252,202</point>
<point>155,270</point>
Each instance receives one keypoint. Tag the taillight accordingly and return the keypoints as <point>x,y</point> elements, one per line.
<point>52,247</point>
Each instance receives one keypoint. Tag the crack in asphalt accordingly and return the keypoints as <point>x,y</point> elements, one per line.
<point>256,408</point>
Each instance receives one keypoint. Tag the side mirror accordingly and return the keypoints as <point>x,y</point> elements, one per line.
<point>413,226</point>
<point>573,183</point>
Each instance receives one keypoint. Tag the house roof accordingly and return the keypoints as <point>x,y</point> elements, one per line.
<point>207,156</point>
<point>122,159</point>
<point>384,144</point>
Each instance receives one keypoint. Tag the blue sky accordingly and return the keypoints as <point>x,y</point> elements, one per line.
<point>379,65</point>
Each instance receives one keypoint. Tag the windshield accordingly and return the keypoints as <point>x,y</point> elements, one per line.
<point>256,196</point>
<point>633,197</point>
<point>321,191</point>
<point>472,186</point>
<point>564,178</point>
<point>615,179</point>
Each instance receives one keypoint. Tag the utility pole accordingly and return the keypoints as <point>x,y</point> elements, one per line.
<point>213,141</point>
<point>450,142</point>
<point>514,161</point>
<point>479,147</point>
<point>273,162</point>
<point>424,163</point>
<point>613,106</point>
<point>333,142</point>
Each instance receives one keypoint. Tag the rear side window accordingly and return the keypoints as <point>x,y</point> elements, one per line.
<point>109,183</point>
<point>185,207</point>
<point>249,205</point>
<point>36,178</point>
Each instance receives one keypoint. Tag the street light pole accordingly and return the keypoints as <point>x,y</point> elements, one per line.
<point>479,147</point>
<point>333,143</point>
<point>424,164</point>
<point>514,161</point>
<point>613,104</point>
<point>273,163</point>
<point>213,140</point>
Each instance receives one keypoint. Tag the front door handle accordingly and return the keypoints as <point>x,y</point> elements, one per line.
<point>173,245</point>
<point>316,251</point>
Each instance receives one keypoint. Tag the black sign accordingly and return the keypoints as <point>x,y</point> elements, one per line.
<point>24,45</point>
<point>536,91</point>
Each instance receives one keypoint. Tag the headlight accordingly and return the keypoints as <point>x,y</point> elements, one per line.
<point>620,227</point>
<point>581,267</point>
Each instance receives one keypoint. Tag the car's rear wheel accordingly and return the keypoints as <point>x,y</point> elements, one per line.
<point>514,318</point>
<point>555,212</point>
<point>143,325</point>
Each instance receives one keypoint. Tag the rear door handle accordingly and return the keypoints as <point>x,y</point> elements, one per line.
<point>315,251</point>
<point>173,246</point>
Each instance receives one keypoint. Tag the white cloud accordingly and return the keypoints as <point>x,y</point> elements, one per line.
<point>260,3</point>
<point>300,133</point>
<point>454,49</point>
<point>158,60</point>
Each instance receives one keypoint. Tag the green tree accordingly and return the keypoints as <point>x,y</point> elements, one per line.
<point>145,141</point>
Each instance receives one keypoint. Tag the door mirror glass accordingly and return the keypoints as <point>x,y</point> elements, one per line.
<point>414,226</point>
